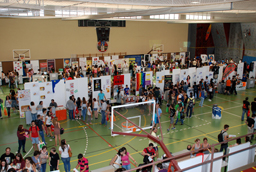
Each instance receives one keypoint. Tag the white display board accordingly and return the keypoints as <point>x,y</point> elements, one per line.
<point>166,72</point>
<point>252,73</point>
<point>17,65</point>
<point>59,93</point>
<point>105,85</point>
<point>35,65</point>
<point>216,167</point>
<point>206,70</point>
<point>220,73</point>
<point>82,63</point>
<point>191,162</point>
<point>77,87</point>
<point>184,75</point>
<point>240,70</point>
<point>24,101</point>
<point>115,57</point>
<point>40,92</point>
<point>176,76</point>
<point>235,160</point>
<point>160,80</point>
<point>95,60</point>
<point>210,76</point>
<point>127,81</point>
<point>199,75</point>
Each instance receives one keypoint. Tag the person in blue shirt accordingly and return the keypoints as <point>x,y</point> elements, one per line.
<point>126,90</point>
<point>202,97</point>
<point>158,114</point>
<point>101,96</point>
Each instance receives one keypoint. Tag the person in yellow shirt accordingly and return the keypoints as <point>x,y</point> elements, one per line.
<point>154,131</point>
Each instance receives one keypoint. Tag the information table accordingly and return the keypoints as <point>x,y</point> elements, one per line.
<point>61,113</point>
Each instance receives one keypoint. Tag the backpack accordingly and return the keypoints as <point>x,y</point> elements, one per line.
<point>191,102</point>
<point>220,136</point>
<point>145,159</point>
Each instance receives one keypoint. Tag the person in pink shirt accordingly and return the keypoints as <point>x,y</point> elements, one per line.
<point>125,159</point>
<point>83,163</point>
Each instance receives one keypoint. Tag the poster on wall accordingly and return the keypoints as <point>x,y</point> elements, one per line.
<point>95,60</point>
<point>75,64</point>
<point>118,79</point>
<point>148,79</point>
<point>89,63</point>
<point>182,57</point>
<point>199,75</point>
<point>204,58</point>
<point>17,65</point>
<point>167,82</point>
<point>51,65</point>
<point>35,65</point>
<point>135,59</point>
<point>211,57</point>
<point>82,63</point>
<point>67,63</point>
<point>97,85</point>
<point>183,75</point>
<point>24,101</point>
<point>43,67</point>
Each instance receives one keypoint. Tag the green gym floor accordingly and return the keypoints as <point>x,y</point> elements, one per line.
<point>99,147</point>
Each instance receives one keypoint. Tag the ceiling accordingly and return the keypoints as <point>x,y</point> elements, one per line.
<point>172,11</point>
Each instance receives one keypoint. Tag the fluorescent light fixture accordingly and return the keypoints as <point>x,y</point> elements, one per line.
<point>195,2</point>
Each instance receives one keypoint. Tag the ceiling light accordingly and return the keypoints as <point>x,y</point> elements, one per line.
<point>195,2</point>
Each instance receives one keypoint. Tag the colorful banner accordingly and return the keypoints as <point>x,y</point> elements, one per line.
<point>51,65</point>
<point>24,101</point>
<point>228,70</point>
<point>140,80</point>
<point>135,58</point>
<point>43,67</point>
<point>67,63</point>
<point>119,80</point>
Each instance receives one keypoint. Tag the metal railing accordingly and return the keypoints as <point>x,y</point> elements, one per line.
<point>213,146</point>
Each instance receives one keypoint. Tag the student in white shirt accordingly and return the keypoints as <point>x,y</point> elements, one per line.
<point>33,111</point>
<point>89,114</point>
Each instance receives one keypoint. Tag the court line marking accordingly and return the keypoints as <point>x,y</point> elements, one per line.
<point>226,112</point>
<point>86,136</point>
<point>228,100</point>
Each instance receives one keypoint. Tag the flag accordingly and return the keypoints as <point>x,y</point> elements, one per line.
<point>118,79</point>
<point>208,32</point>
<point>54,83</point>
<point>140,80</point>
<point>228,70</point>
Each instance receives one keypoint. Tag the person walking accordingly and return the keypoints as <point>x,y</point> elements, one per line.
<point>54,160</point>
<point>223,136</point>
<point>8,105</point>
<point>95,108</point>
<point>233,87</point>
<point>246,105</point>
<point>56,125</point>
<point>89,114</point>
<point>70,106</point>
<point>21,134</point>
<point>172,115</point>
<point>44,157</point>
<point>63,150</point>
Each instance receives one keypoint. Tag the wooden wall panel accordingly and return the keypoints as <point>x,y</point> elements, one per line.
<point>59,64</point>
<point>7,66</point>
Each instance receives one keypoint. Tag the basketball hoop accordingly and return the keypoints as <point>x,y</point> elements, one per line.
<point>129,127</point>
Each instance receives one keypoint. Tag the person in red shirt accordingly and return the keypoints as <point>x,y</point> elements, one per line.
<point>149,153</point>
<point>34,135</point>
<point>83,163</point>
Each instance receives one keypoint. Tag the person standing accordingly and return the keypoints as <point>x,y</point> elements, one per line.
<point>70,106</point>
<point>78,105</point>
<point>126,90</point>
<point>126,164</point>
<point>40,125</point>
<point>158,115</point>
<point>48,122</point>
<point>95,108</point>
<point>34,135</point>
<point>19,162</point>
<point>8,105</point>
<point>103,112</point>
<point>223,136</point>
<point>253,106</point>
<point>54,160</point>
<point>83,163</point>
<point>33,111</point>
<point>202,97</point>
<point>63,150</point>
<point>56,125</point>
<point>180,113</point>
<point>89,114</point>
<point>37,160</point>
<point>84,108</point>
<point>101,96</point>
<point>172,115</point>
<point>233,87</point>
<point>191,103</point>
<point>250,125</point>
<point>21,134</point>
<point>8,156</point>
<point>44,157</point>
<point>140,90</point>
<point>245,108</point>
<point>228,86</point>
